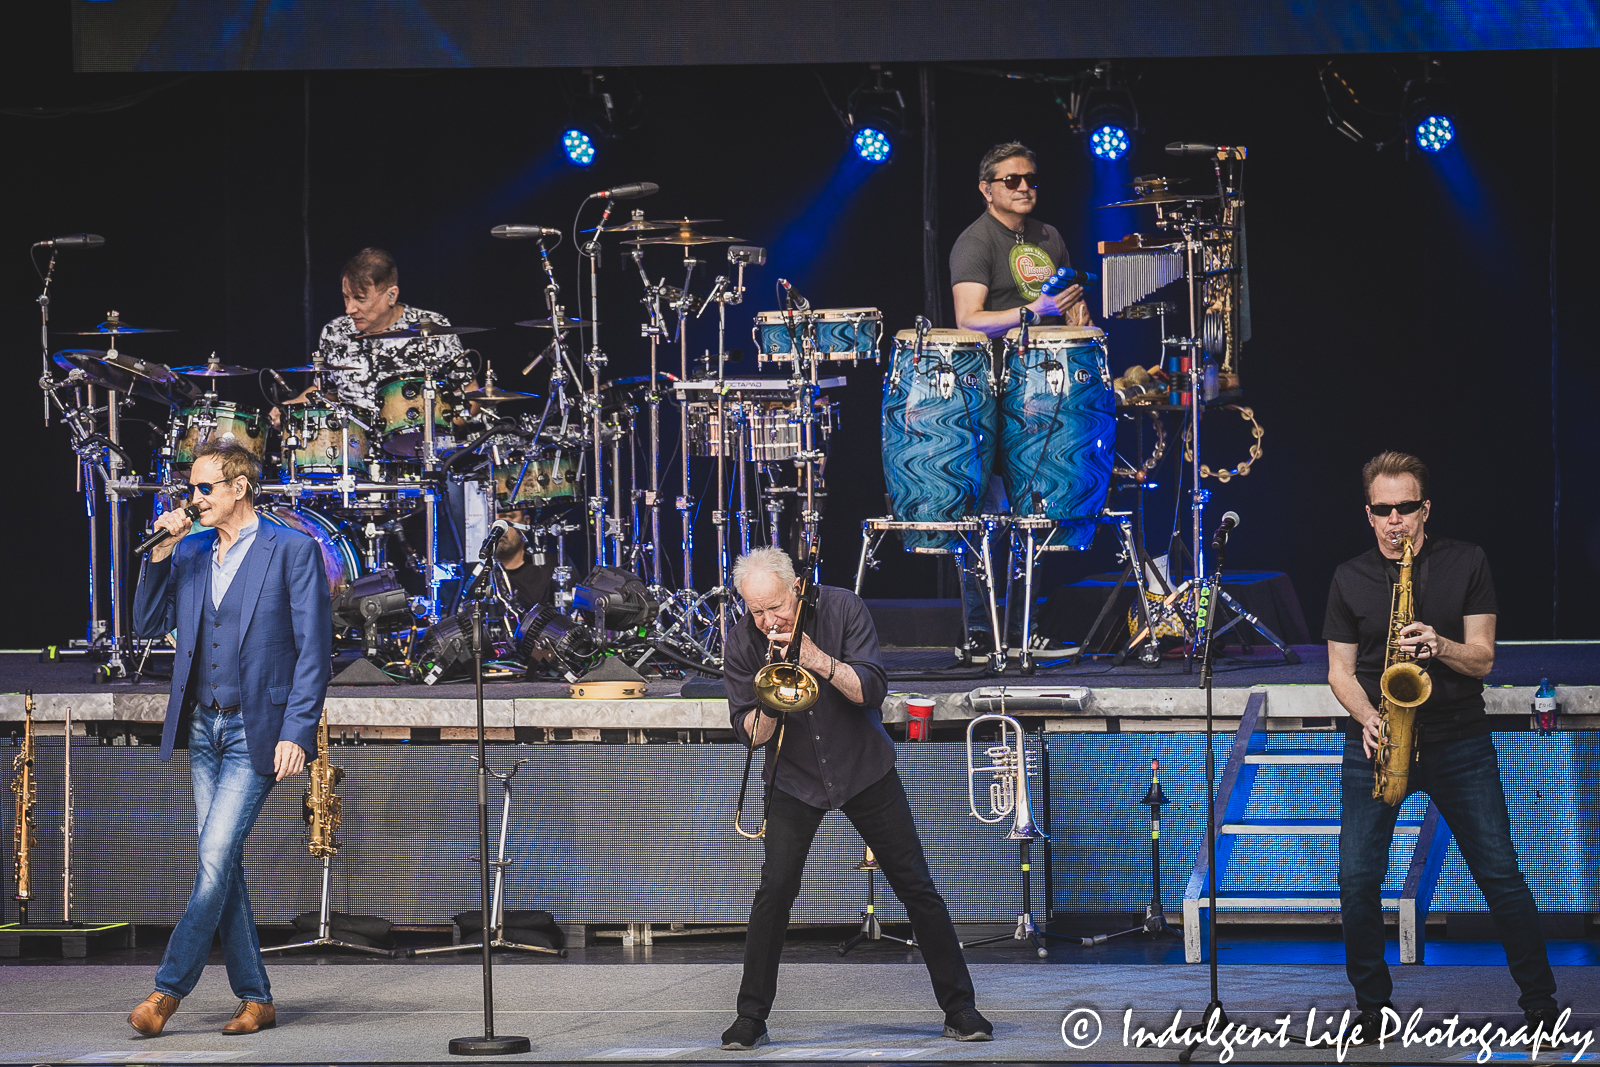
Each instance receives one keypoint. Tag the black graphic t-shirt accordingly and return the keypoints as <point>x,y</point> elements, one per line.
<point>1014,265</point>
<point>1449,581</point>
<point>357,365</point>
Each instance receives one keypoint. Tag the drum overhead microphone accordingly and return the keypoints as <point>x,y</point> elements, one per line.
<point>73,240</point>
<point>162,536</point>
<point>512,233</point>
<point>792,296</point>
<point>630,191</point>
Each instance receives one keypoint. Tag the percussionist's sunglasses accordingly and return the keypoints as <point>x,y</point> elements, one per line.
<point>1015,181</point>
<point>1405,507</point>
<point>206,487</point>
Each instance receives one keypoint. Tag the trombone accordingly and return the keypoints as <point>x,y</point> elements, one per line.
<point>1009,762</point>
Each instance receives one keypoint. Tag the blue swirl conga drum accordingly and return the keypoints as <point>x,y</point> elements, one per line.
<point>938,430</point>
<point>1058,427</point>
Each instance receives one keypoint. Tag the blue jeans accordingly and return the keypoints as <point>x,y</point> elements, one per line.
<point>1463,778</point>
<point>882,815</point>
<point>228,795</point>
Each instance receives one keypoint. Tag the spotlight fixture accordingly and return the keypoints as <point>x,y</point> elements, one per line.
<point>1372,103</point>
<point>1426,113</point>
<point>875,115</point>
<point>578,147</point>
<point>602,106</point>
<point>1107,118</point>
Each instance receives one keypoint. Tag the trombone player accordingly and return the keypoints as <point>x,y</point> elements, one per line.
<point>837,755</point>
<point>1451,634</point>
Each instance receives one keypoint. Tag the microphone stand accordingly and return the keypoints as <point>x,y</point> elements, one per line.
<point>488,1044</point>
<point>1207,631</point>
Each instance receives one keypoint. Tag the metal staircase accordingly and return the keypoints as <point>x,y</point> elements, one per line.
<point>1234,789</point>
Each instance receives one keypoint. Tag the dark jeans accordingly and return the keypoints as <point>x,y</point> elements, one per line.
<point>881,814</point>
<point>1463,778</point>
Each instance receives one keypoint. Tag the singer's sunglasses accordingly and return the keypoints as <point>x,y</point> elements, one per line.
<point>1015,181</point>
<point>206,487</point>
<point>1405,507</point>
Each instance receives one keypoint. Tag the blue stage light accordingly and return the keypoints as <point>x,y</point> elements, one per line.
<point>578,146</point>
<point>1109,142</point>
<point>873,145</point>
<point>1435,132</point>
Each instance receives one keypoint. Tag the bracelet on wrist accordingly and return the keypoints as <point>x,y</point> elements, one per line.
<point>833,666</point>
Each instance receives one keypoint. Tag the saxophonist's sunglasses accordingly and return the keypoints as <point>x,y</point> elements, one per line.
<point>1405,507</point>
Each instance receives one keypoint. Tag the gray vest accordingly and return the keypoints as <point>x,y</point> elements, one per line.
<point>216,653</point>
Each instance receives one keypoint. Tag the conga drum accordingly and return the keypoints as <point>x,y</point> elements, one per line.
<point>938,430</point>
<point>1058,427</point>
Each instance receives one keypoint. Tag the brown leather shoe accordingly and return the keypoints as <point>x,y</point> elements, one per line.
<point>151,1016</point>
<point>251,1016</point>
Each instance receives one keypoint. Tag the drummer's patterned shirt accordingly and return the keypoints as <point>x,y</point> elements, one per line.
<point>357,366</point>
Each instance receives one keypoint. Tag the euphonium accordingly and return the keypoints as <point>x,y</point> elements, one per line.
<point>1405,686</point>
<point>323,806</point>
<point>25,839</point>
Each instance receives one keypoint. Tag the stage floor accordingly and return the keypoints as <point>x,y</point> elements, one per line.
<point>671,1002</point>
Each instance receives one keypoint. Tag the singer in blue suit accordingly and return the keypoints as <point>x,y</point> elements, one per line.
<point>249,601</point>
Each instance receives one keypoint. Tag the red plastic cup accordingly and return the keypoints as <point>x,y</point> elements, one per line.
<point>919,719</point>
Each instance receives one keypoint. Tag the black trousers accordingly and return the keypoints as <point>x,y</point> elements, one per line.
<point>881,814</point>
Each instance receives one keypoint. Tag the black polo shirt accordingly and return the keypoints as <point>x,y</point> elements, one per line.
<point>835,749</point>
<point>1449,581</point>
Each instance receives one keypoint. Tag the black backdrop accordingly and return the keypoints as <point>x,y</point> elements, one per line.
<point>1397,303</point>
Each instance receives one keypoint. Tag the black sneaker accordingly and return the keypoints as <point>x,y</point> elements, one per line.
<point>1370,1023</point>
<point>745,1034</point>
<point>968,1025</point>
<point>1548,1016</point>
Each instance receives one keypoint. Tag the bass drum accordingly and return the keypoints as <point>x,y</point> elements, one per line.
<point>339,556</point>
<point>1058,427</point>
<point>938,430</point>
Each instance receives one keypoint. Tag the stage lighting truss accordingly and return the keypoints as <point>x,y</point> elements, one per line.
<point>1375,106</point>
<point>875,115</point>
<point>602,106</point>
<point>1101,110</point>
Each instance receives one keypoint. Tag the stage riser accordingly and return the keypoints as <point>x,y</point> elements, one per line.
<point>617,833</point>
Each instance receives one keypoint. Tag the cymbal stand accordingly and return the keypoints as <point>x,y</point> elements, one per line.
<point>595,360</point>
<point>655,329</point>
<point>723,295</point>
<point>685,500</point>
<point>430,467</point>
<point>117,569</point>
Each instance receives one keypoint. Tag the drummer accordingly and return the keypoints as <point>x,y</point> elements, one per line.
<point>358,365</point>
<point>1001,262</point>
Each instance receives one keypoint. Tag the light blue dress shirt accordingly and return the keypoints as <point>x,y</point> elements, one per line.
<point>223,569</point>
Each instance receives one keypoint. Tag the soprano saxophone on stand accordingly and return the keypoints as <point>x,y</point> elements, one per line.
<point>25,836</point>
<point>1406,685</point>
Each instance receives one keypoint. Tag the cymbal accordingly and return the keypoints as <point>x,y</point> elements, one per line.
<point>1163,197</point>
<point>126,374</point>
<point>422,329</point>
<point>570,324</point>
<point>215,370</point>
<point>636,226</point>
<point>684,238</point>
<point>493,394</point>
<point>109,331</point>
<point>680,224</point>
<point>312,368</point>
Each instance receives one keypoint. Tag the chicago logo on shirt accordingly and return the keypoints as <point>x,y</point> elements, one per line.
<point>1031,267</point>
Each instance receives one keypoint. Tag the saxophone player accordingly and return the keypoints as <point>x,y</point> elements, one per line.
<point>1451,634</point>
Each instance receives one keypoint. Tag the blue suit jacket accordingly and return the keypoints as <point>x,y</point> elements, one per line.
<point>285,627</point>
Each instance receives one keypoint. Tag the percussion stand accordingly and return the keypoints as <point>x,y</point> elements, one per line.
<point>596,361</point>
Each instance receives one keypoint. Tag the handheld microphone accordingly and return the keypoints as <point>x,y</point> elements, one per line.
<point>630,191</point>
<point>73,240</point>
<point>1199,148</point>
<point>162,536</point>
<point>512,233</point>
<point>792,295</point>
<point>1219,540</point>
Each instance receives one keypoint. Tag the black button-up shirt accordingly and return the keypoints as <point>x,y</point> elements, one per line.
<point>1449,581</point>
<point>835,749</point>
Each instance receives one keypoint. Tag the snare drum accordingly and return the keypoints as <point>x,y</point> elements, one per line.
<point>400,414</point>
<point>339,556</point>
<point>318,433</point>
<point>938,430</point>
<point>1058,427</point>
<point>846,334</point>
<point>535,480</point>
<point>218,422</point>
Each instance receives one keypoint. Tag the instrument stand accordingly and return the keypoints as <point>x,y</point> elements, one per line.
<point>1243,615</point>
<point>488,1044</point>
<point>965,531</point>
<point>1026,929</point>
<point>1136,569</point>
<point>494,930</point>
<point>325,938</point>
<point>871,929</point>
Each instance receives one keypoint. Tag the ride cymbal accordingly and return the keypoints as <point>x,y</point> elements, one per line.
<point>422,329</point>
<point>569,324</point>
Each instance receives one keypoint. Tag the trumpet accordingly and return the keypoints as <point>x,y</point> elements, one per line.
<point>1009,762</point>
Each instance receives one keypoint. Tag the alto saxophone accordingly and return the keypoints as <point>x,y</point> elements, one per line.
<point>25,836</point>
<point>1405,685</point>
<point>323,807</point>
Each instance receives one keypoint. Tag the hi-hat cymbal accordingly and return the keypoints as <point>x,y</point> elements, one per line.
<point>684,238</point>
<point>422,329</point>
<point>635,226</point>
<point>1162,197</point>
<point>125,374</point>
<point>493,394</point>
<point>569,324</point>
